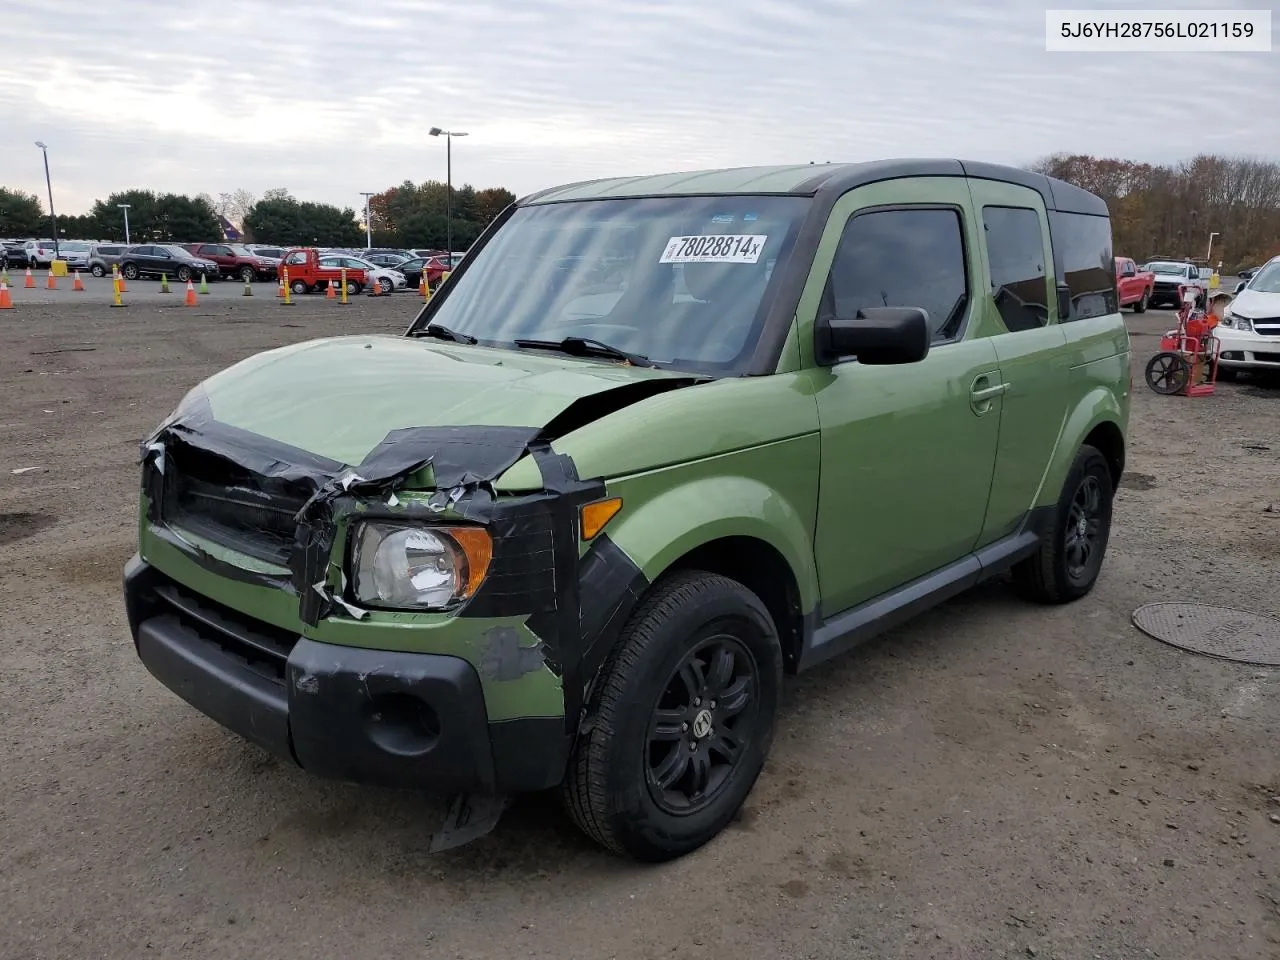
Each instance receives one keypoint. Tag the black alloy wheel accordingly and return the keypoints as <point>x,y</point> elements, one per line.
<point>704,718</point>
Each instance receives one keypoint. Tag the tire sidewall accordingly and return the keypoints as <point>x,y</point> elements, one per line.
<point>635,810</point>
<point>130,271</point>
<point>97,271</point>
<point>1089,462</point>
<point>184,274</point>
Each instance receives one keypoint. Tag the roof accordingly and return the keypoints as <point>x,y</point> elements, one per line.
<point>809,179</point>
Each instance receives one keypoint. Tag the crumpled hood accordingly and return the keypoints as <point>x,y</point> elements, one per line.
<point>1255,303</point>
<point>338,398</point>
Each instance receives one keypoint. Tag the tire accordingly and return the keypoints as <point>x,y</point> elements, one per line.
<point>353,288</point>
<point>247,275</point>
<point>129,271</point>
<point>98,270</point>
<point>385,284</point>
<point>1055,573</point>
<point>1141,305</point>
<point>1228,374</point>
<point>1167,373</point>
<point>183,274</point>
<point>300,286</point>
<point>612,790</point>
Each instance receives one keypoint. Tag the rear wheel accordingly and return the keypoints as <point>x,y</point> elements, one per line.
<point>130,271</point>
<point>98,270</point>
<point>1168,372</point>
<point>246,274</point>
<point>353,288</point>
<point>681,722</point>
<point>1071,551</point>
<point>1141,305</point>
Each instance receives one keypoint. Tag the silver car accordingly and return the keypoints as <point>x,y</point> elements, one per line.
<point>75,253</point>
<point>103,256</point>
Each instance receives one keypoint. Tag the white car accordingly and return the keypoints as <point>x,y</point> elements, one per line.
<point>1250,329</point>
<point>75,252</point>
<point>39,252</point>
<point>386,278</point>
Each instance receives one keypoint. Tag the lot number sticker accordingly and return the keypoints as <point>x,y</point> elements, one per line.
<point>724,248</point>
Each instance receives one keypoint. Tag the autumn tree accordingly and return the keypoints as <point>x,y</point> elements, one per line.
<point>1170,210</point>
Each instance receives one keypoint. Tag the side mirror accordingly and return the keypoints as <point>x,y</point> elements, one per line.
<point>1241,285</point>
<point>876,336</point>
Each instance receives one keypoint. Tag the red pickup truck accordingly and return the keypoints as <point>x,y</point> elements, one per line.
<point>307,269</point>
<point>1134,286</point>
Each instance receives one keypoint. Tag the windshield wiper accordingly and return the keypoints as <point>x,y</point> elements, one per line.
<point>585,346</point>
<point>444,333</point>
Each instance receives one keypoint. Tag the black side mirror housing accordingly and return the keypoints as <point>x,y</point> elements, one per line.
<point>876,336</point>
<point>1241,285</point>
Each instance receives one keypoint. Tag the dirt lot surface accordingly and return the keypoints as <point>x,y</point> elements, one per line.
<point>993,780</point>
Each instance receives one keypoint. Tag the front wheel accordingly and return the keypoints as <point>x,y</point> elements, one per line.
<point>1067,565</point>
<point>1168,372</point>
<point>385,284</point>
<point>300,286</point>
<point>1227,374</point>
<point>184,274</point>
<point>681,722</point>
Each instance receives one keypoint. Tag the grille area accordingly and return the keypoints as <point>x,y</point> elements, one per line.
<point>263,648</point>
<point>1267,326</point>
<point>215,499</point>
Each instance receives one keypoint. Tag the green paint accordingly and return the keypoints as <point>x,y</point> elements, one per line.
<point>860,477</point>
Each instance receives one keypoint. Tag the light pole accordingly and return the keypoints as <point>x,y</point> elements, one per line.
<point>53,219</point>
<point>125,208</point>
<point>1208,255</point>
<point>448,184</point>
<point>368,223</point>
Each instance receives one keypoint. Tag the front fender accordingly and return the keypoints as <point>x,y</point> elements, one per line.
<point>681,517</point>
<point>1099,405</point>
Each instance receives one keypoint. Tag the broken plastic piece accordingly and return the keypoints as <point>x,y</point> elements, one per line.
<point>469,817</point>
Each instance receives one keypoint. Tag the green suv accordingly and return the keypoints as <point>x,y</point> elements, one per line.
<point>657,442</point>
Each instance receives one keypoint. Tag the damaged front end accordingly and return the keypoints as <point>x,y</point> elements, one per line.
<point>242,600</point>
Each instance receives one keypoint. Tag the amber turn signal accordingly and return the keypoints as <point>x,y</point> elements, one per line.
<point>596,515</point>
<point>478,549</point>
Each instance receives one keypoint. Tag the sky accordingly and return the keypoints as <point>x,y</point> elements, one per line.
<point>330,99</point>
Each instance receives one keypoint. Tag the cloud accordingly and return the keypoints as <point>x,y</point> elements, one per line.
<point>331,99</point>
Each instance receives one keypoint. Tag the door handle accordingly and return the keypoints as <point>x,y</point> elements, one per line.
<point>978,394</point>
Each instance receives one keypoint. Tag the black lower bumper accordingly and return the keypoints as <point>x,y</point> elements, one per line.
<point>365,716</point>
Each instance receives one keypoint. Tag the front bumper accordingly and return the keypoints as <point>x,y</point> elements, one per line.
<point>390,718</point>
<point>1247,350</point>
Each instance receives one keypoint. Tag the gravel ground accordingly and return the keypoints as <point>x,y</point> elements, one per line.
<point>992,780</point>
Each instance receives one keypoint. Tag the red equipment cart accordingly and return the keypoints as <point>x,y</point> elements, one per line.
<point>1187,363</point>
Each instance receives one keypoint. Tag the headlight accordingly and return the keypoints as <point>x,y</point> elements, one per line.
<point>1236,322</point>
<point>418,566</point>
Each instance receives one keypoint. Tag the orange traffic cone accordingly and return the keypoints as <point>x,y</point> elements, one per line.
<point>31,281</point>
<point>6,302</point>
<point>329,293</point>
<point>76,284</point>
<point>280,287</point>
<point>375,288</point>
<point>191,296</point>
<point>51,282</point>
<point>124,287</point>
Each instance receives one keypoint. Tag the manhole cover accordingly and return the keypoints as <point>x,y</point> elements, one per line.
<point>1213,631</point>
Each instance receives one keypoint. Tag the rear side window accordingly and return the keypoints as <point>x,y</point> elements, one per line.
<point>1015,251</point>
<point>1084,261</point>
<point>903,258</point>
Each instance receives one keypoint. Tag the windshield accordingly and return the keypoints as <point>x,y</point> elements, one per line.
<point>240,251</point>
<point>73,246</point>
<point>1177,269</point>
<point>1267,279</point>
<point>679,280</point>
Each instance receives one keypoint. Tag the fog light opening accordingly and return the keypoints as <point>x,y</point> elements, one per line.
<point>402,724</point>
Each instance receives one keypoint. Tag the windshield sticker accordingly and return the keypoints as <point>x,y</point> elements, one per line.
<point>722,218</point>
<point>724,248</point>
<point>748,217</point>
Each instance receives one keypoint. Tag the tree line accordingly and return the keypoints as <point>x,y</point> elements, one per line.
<point>1170,210</point>
<point>410,215</point>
